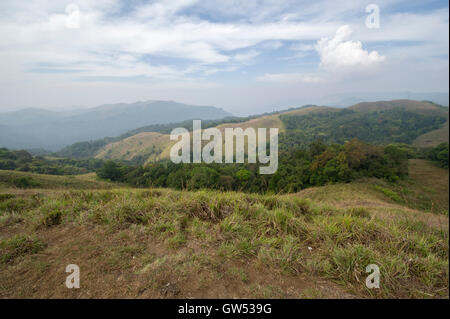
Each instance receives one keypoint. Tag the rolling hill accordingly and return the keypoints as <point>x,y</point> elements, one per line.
<point>399,121</point>
<point>36,128</point>
<point>425,107</point>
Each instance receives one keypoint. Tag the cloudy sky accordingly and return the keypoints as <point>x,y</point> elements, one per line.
<point>245,56</point>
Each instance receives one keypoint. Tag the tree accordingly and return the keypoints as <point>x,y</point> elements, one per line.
<point>111,170</point>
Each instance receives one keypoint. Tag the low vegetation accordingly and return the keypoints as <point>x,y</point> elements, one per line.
<point>312,244</point>
<point>25,162</point>
<point>439,154</point>
<point>24,180</point>
<point>18,246</point>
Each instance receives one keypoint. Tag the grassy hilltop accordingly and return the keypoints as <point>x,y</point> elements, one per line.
<point>160,243</point>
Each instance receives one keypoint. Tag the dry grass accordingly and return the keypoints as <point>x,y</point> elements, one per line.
<point>159,243</point>
<point>85,181</point>
<point>143,143</point>
<point>140,144</point>
<point>433,138</point>
<point>425,190</point>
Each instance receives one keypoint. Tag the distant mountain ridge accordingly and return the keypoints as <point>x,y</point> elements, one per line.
<point>38,128</point>
<point>346,99</point>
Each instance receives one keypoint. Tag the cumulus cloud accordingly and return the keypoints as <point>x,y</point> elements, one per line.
<point>341,51</point>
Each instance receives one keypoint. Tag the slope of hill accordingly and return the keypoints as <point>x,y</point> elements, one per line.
<point>35,128</point>
<point>380,123</point>
<point>88,149</point>
<point>140,147</point>
<point>26,180</point>
<point>159,243</point>
<point>375,122</point>
<point>429,139</point>
<point>152,146</point>
<point>433,138</point>
<point>426,190</point>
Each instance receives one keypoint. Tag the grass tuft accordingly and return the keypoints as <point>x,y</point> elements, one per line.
<point>18,246</point>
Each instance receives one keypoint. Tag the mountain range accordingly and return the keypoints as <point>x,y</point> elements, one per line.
<point>39,128</point>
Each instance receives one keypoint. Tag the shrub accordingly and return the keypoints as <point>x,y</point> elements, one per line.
<point>51,219</point>
<point>389,193</point>
<point>25,182</point>
<point>19,246</point>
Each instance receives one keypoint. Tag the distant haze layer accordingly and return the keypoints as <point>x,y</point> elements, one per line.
<point>38,128</point>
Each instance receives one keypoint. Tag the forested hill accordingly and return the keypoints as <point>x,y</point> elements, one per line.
<point>376,123</point>
<point>399,121</point>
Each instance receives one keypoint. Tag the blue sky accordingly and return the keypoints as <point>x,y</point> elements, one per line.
<point>245,56</point>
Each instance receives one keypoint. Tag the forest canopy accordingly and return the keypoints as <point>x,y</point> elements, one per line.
<point>319,164</point>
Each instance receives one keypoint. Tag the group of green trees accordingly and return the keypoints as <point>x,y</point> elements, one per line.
<point>439,154</point>
<point>319,164</point>
<point>25,162</point>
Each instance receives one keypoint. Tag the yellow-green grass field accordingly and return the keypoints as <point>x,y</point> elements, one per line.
<point>161,243</point>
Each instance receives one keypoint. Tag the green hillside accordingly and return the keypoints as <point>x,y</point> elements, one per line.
<point>387,125</point>
<point>400,121</point>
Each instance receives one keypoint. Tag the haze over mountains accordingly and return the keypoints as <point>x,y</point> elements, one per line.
<point>35,128</point>
<point>38,128</point>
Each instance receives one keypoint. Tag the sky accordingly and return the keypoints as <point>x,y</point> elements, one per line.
<point>248,56</point>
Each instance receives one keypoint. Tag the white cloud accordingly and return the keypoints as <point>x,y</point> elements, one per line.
<point>246,57</point>
<point>342,52</point>
<point>290,78</point>
<point>163,9</point>
<point>185,41</point>
<point>37,33</point>
<point>302,47</point>
<point>272,45</point>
